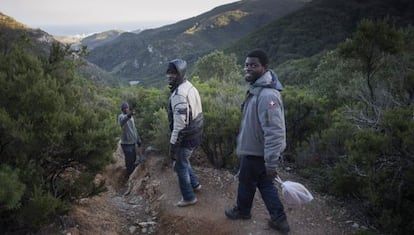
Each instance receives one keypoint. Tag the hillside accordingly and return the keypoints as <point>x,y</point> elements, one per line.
<point>143,56</point>
<point>39,42</point>
<point>148,206</point>
<point>12,31</point>
<point>320,25</point>
<point>91,41</point>
<point>99,39</point>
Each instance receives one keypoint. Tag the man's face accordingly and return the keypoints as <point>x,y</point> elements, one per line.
<point>125,110</point>
<point>172,78</point>
<point>253,69</point>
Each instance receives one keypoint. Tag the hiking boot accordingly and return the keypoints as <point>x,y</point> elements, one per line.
<point>197,189</point>
<point>234,213</point>
<point>280,225</point>
<point>183,203</point>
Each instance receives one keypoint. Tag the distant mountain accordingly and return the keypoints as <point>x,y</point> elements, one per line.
<point>98,39</point>
<point>97,75</point>
<point>91,41</point>
<point>73,40</point>
<point>10,23</point>
<point>320,25</point>
<point>12,31</point>
<point>144,56</point>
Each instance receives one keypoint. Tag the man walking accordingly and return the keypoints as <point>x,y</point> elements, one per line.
<point>185,116</point>
<point>261,140</point>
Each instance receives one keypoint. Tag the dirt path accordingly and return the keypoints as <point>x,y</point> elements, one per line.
<point>148,207</point>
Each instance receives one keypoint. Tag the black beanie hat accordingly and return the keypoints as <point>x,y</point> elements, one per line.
<point>124,105</point>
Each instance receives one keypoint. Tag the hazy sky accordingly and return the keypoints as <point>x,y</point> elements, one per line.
<point>69,17</point>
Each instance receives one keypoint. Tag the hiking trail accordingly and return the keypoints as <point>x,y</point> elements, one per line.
<point>144,204</point>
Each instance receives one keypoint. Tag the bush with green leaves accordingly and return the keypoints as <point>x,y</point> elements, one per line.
<point>218,65</point>
<point>221,107</point>
<point>305,114</point>
<point>378,163</point>
<point>379,169</point>
<point>160,130</point>
<point>11,188</point>
<point>50,122</point>
<point>350,128</point>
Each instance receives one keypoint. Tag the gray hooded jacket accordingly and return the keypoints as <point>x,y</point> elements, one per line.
<point>262,131</point>
<point>129,132</point>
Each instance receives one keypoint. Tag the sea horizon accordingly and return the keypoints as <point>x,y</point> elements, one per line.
<point>82,30</point>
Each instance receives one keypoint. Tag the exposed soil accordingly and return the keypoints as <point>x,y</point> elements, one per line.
<point>144,204</point>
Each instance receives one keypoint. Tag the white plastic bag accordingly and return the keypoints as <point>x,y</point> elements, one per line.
<point>294,193</point>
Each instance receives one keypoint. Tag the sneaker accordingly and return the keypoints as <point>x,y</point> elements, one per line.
<point>280,225</point>
<point>197,189</point>
<point>139,160</point>
<point>234,213</point>
<point>183,203</point>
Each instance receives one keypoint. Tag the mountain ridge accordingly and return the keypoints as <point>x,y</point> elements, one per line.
<point>12,31</point>
<point>318,26</point>
<point>39,43</point>
<point>143,56</point>
<point>313,26</point>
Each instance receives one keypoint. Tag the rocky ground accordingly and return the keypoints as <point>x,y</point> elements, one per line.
<point>144,204</point>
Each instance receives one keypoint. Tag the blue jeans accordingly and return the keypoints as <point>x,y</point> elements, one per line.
<point>252,175</point>
<point>186,177</point>
<point>130,157</point>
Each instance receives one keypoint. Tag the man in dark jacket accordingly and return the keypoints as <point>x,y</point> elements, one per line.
<point>261,140</point>
<point>186,124</point>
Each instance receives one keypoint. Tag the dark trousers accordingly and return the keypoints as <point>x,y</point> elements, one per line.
<point>130,157</point>
<point>252,176</point>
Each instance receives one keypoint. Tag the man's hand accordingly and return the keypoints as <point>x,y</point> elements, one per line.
<point>271,172</point>
<point>139,141</point>
<point>172,151</point>
<point>130,113</point>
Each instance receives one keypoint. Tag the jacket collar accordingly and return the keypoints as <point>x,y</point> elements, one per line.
<point>269,80</point>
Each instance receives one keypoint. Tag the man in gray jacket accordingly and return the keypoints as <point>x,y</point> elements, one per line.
<point>185,116</point>
<point>129,136</point>
<point>261,140</point>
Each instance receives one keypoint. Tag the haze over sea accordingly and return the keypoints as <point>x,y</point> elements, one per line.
<point>88,29</point>
<point>80,17</point>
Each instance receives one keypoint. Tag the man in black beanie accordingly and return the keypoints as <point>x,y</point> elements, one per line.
<point>185,116</point>
<point>129,136</point>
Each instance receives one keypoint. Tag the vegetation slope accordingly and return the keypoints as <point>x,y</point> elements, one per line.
<point>349,123</point>
<point>143,56</point>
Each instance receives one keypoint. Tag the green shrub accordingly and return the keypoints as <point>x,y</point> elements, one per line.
<point>50,121</point>
<point>40,208</point>
<point>379,170</point>
<point>11,188</point>
<point>221,108</point>
<point>160,131</point>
